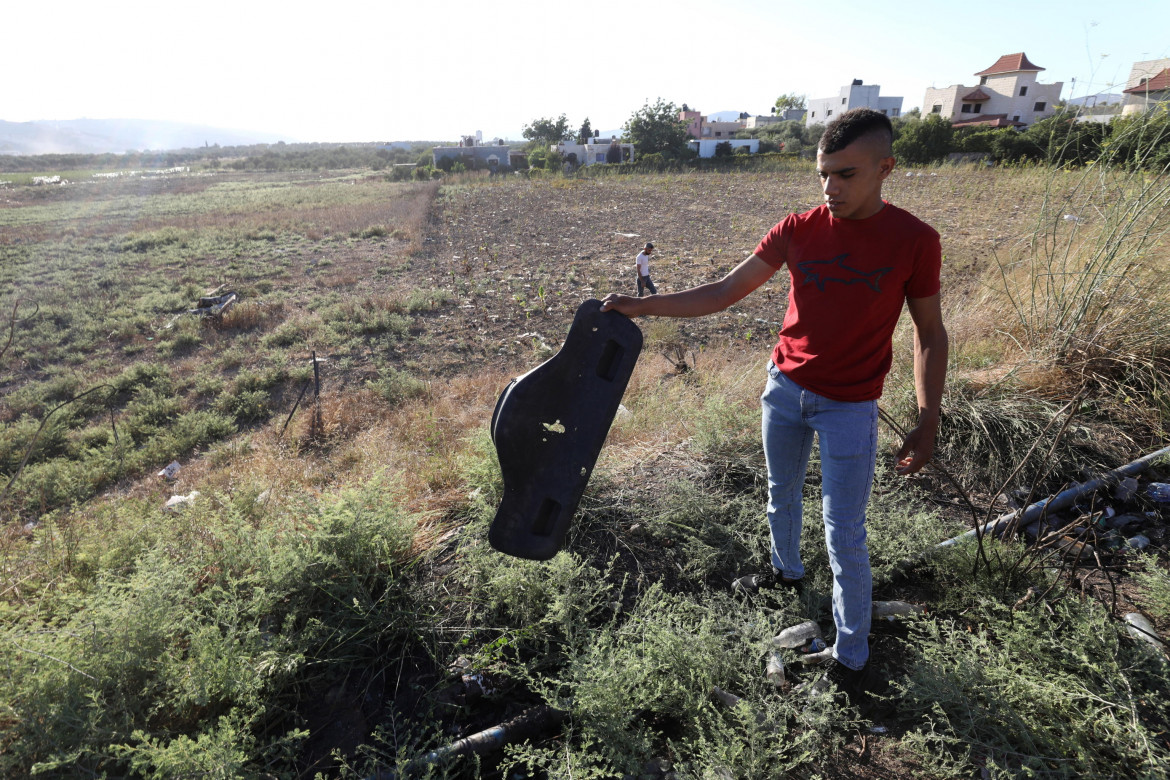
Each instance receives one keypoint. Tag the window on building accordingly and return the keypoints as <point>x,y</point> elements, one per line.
<point>982,81</point>
<point>977,108</point>
<point>1016,118</point>
<point>718,133</point>
<point>1023,91</point>
<point>896,110</point>
<point>966,109</point>
<point>814,115</point>
<point>843,101</point>
<point>936,108</point>
<point>829,112</point>
<point>1039,106</point>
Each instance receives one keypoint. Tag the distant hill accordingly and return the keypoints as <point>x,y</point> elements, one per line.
<point>1100,99</point>
<point>724,116</point>
<point>100,136</point>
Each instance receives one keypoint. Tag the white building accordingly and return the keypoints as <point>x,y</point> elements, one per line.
<point>591,154</point>
<point>706,147</point>
<point>1008,95</point>
<point>857,95</point>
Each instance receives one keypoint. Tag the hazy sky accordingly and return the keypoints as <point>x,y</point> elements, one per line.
<point>350,71</point>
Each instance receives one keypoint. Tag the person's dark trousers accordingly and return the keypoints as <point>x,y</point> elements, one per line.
<point>645,283</point>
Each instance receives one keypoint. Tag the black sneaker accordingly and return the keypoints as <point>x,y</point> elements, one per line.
<point>843,680</point>
<point>772,579</point>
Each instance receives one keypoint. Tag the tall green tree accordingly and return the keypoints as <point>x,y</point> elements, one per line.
<point>656,128</point>
<point>922,141</point>
<point>546,132</point>
<point>585,134</point>
<point>789,100</point>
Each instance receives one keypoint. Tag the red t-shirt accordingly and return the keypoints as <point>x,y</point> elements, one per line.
<point>849,279</point>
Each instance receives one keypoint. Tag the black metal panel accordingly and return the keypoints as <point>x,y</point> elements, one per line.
<point>549,426</point>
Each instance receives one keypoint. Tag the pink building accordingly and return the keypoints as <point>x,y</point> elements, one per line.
<point>694,122</point>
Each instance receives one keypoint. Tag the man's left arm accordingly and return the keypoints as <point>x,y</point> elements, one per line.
<point>930,372</point>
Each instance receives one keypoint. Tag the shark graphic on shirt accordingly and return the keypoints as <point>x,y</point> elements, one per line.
<point>835,270</point>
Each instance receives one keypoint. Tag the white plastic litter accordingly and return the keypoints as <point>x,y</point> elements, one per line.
<point>177,503</point>
<point>795,636</point>
<point>1141,628</point>
<point>775,669</point>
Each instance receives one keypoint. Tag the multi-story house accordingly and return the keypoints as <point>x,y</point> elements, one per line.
<point>694,121</point>
<point>1148,85</point>
<point>856,95</point>
<point>1007,95</point>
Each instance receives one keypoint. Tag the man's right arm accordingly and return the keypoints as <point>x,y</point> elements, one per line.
<point>697,301</point>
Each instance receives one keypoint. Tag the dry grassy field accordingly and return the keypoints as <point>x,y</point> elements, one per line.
<point>304,611</point>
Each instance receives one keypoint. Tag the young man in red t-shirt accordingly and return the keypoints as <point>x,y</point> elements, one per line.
<point>853,263</point>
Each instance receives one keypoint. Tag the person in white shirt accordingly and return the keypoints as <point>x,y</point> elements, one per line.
<point>643,266</point>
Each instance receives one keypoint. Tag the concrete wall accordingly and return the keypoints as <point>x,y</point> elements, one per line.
<point>787,115</point>
<point>721,130</point>
<point>1145,69</point>
<point>706,148</point>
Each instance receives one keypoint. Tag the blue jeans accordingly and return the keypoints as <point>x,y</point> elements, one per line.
<point>848,447</point>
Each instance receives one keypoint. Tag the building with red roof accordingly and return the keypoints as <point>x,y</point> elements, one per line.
<point>1148,86</point>
<point>1008,94</point>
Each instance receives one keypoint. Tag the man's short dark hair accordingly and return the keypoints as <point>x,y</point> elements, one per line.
<point>854,124</point>
<point>648,245</point>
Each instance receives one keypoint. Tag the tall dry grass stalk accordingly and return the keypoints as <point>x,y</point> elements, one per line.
<point>1089,280</point>
<point>1079,306</point>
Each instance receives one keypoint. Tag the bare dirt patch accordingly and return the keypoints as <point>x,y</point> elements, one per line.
<point>520,255</point>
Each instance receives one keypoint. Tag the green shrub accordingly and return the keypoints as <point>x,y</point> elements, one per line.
<point>245,406</point>
<point>139,375</point>
<point>1154,583</point>
<point>149,411</point>
<point>189,656</point>
<point>1047,691</point>
<point>397,386</point>
<point>154,239</point>
<point>16,438</point>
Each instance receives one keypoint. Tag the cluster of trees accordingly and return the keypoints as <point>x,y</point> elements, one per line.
<point>660,137</point>
<point>1136,140</point>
